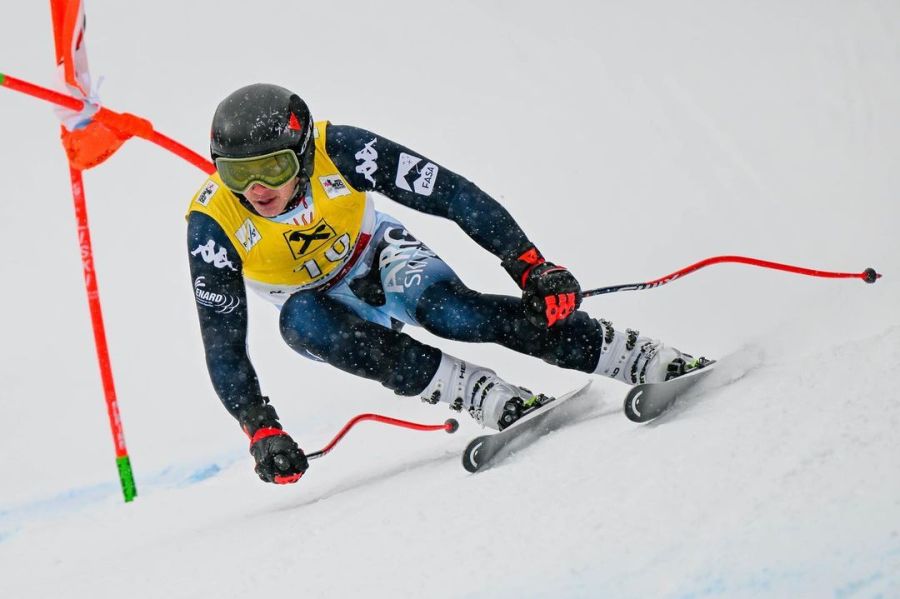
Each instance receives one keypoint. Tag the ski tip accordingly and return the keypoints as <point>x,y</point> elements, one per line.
<point>451,425</point>
<point>471,459</point>
<point>635,406</point>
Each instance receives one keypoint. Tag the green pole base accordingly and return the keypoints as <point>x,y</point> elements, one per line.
<point>129,490</point>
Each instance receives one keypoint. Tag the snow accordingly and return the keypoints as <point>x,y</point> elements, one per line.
<point>652,134</point>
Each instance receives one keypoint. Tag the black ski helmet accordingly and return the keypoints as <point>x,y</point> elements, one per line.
<point>263,118</point>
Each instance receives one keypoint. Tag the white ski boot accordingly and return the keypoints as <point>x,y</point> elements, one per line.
<point>490,400</point>
<point>628,357</point>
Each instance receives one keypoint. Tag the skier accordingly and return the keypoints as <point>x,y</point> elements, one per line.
<point>289,213</point>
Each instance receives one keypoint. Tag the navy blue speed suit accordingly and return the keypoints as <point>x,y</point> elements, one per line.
<point>356,324</point>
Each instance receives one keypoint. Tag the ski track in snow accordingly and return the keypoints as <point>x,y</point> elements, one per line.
<point>677,131</point>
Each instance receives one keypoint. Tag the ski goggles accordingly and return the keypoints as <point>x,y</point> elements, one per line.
<point>271,170</point>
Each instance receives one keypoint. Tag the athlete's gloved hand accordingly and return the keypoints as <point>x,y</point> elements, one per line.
<point>550,293</point>
<point>278,458</point>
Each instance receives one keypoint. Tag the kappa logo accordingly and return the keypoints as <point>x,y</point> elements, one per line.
<point>218,258</point>
<point>206,195</point>
<point>334,186</point>
<point>248,234</point>
<point>222,303</point>
<point>304,241</point>
<point>422,177</point>
<point>369,157</point>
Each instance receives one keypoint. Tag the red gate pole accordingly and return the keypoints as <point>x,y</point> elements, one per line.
<point>126,477</point>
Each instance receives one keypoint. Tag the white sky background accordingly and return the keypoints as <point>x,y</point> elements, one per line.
<point>628,139</point>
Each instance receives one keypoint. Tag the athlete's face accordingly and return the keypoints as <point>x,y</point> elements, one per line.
<point>271,202</point>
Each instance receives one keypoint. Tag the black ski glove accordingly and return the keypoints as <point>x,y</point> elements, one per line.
<point>550,293</point>
<point>278,458</point>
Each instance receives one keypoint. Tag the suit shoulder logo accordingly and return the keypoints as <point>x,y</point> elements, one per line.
<point>368,157</point>
<point>215,255</point>
<point>412,176</point>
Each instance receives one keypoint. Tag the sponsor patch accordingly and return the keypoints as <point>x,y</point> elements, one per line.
<point>412,176</point>
<point>304,241</point>
<point>369,157</point>
<point>334,186</point>
<point>248,234</point>
<point>403,261</point>
<point>222,303</point>
<point>207,193</point>
<point>210,255</point>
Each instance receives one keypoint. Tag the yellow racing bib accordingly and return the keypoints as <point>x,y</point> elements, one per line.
<point>285,257</point>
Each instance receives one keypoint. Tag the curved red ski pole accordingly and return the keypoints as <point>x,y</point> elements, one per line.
<point>450,426</point>
<point>868,275</point>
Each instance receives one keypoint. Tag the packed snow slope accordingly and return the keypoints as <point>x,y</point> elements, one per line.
<point>628,139</point>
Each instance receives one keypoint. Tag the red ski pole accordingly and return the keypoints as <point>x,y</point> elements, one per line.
<point>451,425</point>
<point>868,275</point>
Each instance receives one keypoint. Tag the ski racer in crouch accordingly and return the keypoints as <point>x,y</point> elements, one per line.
<point>289,213</point>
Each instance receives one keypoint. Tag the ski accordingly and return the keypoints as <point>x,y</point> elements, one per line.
<point>647,401</point>
<point>487,449</point>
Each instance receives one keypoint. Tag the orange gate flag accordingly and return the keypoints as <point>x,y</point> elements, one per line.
<point>88,141</point>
